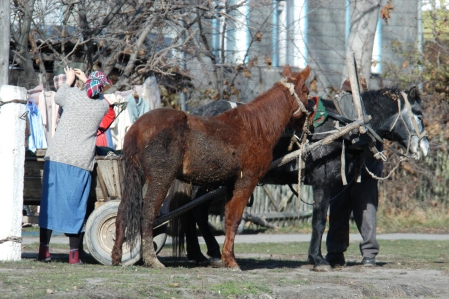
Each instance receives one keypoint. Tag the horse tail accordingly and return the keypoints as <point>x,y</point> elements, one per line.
<point>132,197</point>
<point>179,194</point>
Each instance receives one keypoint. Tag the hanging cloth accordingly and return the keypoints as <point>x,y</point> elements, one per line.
<point>49,112</point>
<point>37,137</point>
<point>151,92</point>
<point>137,107</point>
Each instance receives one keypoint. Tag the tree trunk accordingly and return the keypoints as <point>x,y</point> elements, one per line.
<point>364,18</point>
<point>4,42</point>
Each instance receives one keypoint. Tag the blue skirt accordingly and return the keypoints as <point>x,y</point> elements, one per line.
<point>65,191</point>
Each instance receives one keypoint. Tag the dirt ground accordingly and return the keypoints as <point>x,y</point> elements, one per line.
<point>262,276</point>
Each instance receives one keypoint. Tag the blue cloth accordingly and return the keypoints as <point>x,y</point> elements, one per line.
<point>109,138</point>
<point>65,191</point>
<point>37,137</point>
<point>136,110</point>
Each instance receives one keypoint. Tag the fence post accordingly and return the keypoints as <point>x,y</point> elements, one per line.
<point>12,159</point>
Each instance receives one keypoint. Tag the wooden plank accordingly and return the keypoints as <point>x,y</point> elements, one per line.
<point>34,169</point>
<point>273,202</point>
<point>285,200</point>
<point>30,219</point>
<point>32,187</point>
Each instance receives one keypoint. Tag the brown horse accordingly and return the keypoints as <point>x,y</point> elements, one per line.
<point>234,149</point>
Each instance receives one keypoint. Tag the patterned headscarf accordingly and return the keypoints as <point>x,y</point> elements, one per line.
<point>59,80</point>
<point>95,83</point>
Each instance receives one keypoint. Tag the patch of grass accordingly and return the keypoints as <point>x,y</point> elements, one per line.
<point>283,268</point>
<point>30,229</point>
<point>402,251</point>
<point>418,220</point>
<point>240,288</point>
<point>35,246</point>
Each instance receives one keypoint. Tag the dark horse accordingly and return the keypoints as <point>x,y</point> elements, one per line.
<point>234,149</point>
<point>390,120</point>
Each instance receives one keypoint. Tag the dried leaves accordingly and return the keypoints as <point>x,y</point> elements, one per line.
<point>385,12</point>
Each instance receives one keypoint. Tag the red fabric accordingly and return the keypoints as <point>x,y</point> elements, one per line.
<point>105,122</point>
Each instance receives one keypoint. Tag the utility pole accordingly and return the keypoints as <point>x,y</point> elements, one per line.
<point>12,149</point>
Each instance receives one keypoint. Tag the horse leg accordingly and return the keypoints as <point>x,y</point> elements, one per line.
<point>318,225</point>
<point>154,197</point>
<point>201,214</point>
<point>192,245</point>
<point>233,215</point>
<point>116,254</point>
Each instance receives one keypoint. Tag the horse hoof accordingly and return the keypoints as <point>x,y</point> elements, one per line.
<point>322,268</point>
<point>235,269</point>
<point>155,264</point>
<point>203,263</point>
<point>116,263</point>
<point>216,263</point>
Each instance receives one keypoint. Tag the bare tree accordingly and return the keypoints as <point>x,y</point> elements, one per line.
<point>364,18</point>
<point>4,42</point>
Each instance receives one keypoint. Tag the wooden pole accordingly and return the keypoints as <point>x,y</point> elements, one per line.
<point>355,87</point>
<point>327,140</point>
<point>12,159</point>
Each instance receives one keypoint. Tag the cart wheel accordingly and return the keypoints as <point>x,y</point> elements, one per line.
<point>100,236</point>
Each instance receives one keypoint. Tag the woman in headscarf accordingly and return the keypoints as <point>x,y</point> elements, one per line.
<point>69,161</point>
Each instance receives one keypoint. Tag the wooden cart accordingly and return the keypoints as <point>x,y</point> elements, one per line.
<point>102,209</point>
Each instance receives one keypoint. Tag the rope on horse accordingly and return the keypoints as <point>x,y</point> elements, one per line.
<point>401,159</point>
<point>291,88</point>
<point>304,140</point>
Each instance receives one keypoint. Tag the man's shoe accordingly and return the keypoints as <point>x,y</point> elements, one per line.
<point>369,261</point>
<point>336,260</point>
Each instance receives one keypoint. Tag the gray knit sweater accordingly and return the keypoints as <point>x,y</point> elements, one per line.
<point>75,136</point>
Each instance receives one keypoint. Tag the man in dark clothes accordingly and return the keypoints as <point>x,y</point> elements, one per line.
<point>361,199</point>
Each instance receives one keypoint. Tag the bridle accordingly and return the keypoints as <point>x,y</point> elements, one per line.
<point>291,89</point>
<point>412,117</point>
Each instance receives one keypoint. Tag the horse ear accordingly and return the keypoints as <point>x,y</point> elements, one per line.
<point>304,74</point>
<point>413,92</point>
<point>286,71</point>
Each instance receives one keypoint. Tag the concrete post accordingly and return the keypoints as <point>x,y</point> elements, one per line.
<point>12,159</point>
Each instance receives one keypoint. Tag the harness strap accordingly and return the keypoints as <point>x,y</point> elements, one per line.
<point>415,124</point>
<point>370,131</point>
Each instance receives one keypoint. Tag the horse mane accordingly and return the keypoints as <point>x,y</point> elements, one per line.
<point>257,115</point>
<point>379,97</point>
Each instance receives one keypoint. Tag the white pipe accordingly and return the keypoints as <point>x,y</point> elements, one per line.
<point>297,20</point>
<point>282,33</point>
<point>239,42</point>
<point>377,50</point>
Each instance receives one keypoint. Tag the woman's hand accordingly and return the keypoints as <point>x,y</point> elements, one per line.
<point>70,75</point>
<point>81,75</point>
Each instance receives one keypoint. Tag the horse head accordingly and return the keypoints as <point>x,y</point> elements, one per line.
<point>405,125</point>
<point>419,144</point>
<point>298,80</point>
